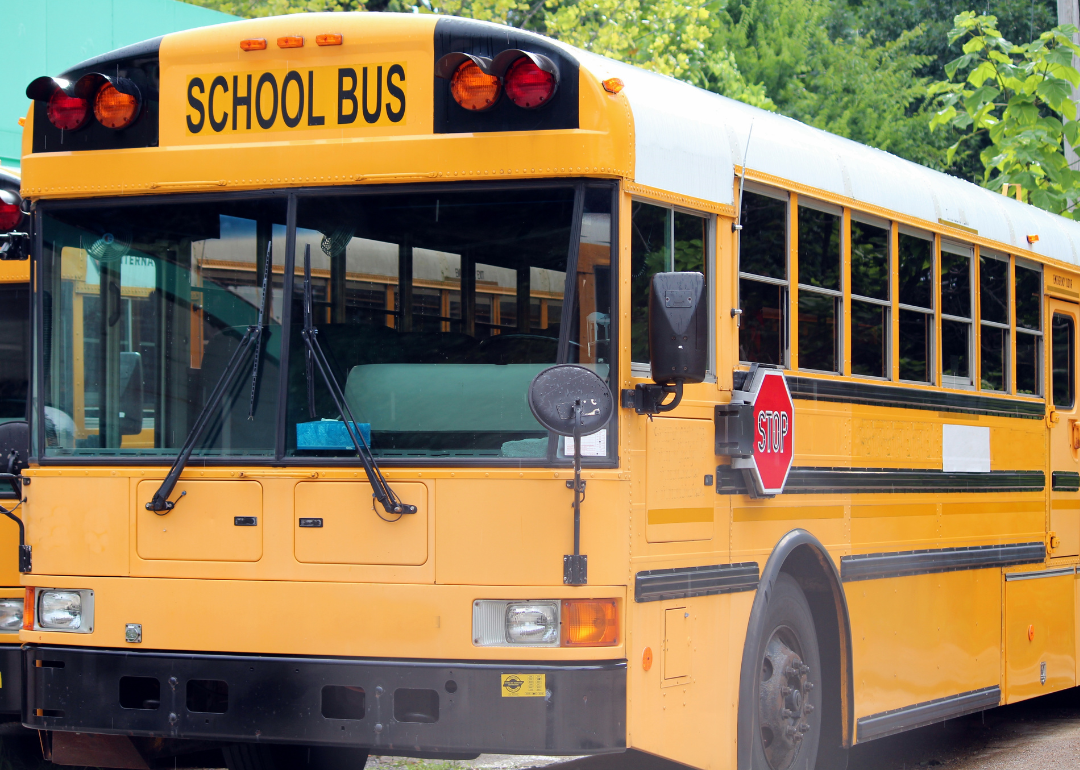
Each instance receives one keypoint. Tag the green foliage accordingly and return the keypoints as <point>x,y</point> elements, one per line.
<point>250,9</point>
<point>1020,98</point>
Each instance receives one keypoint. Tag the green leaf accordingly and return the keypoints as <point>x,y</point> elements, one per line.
<point>986,70</point>
<point>1054,91</point>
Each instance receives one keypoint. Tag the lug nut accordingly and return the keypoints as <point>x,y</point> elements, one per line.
<point>787,713</point>
<point>809,709</point>
<point>803,728</point>
<point>808,686</point>
<point>785,690</point>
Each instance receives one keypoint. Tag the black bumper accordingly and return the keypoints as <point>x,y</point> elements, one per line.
<point>392,705</point>
<point>11,679</point>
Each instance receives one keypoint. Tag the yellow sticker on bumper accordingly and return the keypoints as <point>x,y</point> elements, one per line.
<point>524,685</point>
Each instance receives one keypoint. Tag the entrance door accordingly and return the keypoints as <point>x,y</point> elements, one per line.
<point>1064,429</point>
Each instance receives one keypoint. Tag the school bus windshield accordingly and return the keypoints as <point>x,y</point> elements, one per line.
<point>435,310</point>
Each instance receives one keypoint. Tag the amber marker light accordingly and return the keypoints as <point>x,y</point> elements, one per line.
<point>590,623</point>
<point>28,609</point>
<point>329,40</point>
<point>474,89</point>
<point>1032,239</point>
<point>253,44</point>
<point>613,85</point>
<point>114,109</point>
<point>290,41</point>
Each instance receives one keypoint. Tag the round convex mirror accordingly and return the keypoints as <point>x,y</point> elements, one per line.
<point>554,392</point>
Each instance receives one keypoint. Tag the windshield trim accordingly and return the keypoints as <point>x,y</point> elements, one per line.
<point>280,459</point>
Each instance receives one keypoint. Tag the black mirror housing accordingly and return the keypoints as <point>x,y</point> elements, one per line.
<point>678,327</point>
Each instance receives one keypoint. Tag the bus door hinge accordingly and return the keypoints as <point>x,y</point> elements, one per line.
<point>1053,542</point>
<point>25,558</point>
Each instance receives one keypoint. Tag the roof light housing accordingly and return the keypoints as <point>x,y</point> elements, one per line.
<point>476,82</point>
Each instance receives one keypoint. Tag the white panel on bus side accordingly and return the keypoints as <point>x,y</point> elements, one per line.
<point>965,449</point>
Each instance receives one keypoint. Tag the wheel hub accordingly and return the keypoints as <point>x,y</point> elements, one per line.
<point>783,700</point>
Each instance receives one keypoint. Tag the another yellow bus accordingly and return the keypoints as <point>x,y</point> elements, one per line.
<point>14,432</point>
<point>289,501</point>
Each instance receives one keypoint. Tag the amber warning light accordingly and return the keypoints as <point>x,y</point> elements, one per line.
<point>115,102</point>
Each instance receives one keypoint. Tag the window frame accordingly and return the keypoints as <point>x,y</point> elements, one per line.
<point>932,311</point>
<point>1007,365</point>
<point>643,371</point>
<point>968,251</point>
<point>886,225</point>
<point>1040,335</point>
<point>838,293</point>
<point>784,196</point>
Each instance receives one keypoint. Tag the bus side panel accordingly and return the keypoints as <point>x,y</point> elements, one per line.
<point>695,650</point>
<point>79,526</point>
<point>924,637</point>
<point>1040,643</point>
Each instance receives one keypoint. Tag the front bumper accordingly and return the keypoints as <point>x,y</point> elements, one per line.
<point>410,706</point>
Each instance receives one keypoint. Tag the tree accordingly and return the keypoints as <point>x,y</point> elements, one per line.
<point>250,9</point>
<point>1019,97</point>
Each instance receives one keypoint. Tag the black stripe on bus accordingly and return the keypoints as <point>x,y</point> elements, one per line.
<point>811,481</point>
<point>683,582</point>
<point>1066,481</point>
<point>849,392</point>
<point>874,566</point>
<point>928,713</point>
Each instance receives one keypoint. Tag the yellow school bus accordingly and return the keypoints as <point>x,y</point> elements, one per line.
<point>14,435</point>
<point>296,282</point>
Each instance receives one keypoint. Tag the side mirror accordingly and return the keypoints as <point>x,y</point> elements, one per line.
<point>678,341</point>
<point>678,328</point>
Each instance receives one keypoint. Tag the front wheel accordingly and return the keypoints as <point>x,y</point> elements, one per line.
<point>788,713</point>
<point>263,756</point>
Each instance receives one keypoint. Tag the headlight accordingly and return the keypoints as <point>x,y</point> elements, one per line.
<point>546,623</point>
<point>515,624</point>
<point>11,615</point>
<point>65,610</point>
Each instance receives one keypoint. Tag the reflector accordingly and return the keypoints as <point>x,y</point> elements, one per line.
<point>473,88</point>
<point>590,623</point>
<point>114,109</point>
<point>527,85</point>
<point>67,112</point>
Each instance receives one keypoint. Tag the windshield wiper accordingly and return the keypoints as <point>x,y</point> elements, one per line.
<point>160,503</point>
<point>380,488</point>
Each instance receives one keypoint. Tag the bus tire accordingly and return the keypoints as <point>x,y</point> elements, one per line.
<point>263,756</point>
<point>788,686</point>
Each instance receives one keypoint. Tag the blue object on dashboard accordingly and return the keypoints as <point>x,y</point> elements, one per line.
<point>329,434</point>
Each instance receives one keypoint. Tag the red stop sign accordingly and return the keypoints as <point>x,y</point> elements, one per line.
<point>774,431</point>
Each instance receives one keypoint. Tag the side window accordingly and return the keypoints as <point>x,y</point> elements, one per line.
<point>916,307</point>
<point>663,241</point>
<point>1062,359</point>
<point>1028,298</point>
<point>819,288</point>
<point>763,279</point>
<point>870,299</point>
<point>994,322</point>
<point>957,334</point>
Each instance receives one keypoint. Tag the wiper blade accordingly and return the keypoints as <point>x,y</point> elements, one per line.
<point>160,503</point>
<point>314,354</point>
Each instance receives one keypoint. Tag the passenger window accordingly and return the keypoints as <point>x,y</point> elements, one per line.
<point>956,315</point>
<point>870,298</point>
<point>664,240</point>
<point>994,322</point>
<point>1028,299</point>
<point>1062,358</point>
<point>819,288</point>
<point>763,279</point>
<point>916,307</point>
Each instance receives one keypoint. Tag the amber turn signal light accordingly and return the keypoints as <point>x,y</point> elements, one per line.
<point>114,109</point>
<point>328,39</point>
<point>253,44</point>
<point>28,608</point>
<point>590,623</point>
<point>290,41</point>
<point>474,89</point>
<point>613,85</point>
